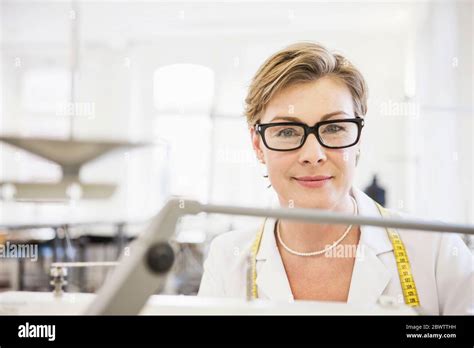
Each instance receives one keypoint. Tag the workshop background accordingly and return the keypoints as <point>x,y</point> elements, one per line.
<point>108,108</point>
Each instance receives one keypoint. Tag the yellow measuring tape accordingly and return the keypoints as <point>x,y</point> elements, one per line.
<point>403,264</point>
<point>254,251</point>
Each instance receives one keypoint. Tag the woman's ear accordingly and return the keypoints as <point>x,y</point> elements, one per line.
<point>256,144</point>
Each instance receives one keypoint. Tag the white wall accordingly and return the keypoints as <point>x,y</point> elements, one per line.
<point>443,144</point>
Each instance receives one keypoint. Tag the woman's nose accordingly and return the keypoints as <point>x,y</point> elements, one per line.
<point>312,151</point>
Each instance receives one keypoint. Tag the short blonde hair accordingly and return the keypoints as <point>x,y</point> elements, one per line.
<point>299,63</point>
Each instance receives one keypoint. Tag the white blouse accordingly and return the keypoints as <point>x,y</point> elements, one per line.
<point>441,264</point>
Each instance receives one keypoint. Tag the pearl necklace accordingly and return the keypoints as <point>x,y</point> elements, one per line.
<point>318,252</point>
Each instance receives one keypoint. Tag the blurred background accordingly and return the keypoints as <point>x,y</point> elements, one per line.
<point>108,108</point>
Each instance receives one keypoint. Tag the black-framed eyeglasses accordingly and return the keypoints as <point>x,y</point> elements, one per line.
<point>333,134</point>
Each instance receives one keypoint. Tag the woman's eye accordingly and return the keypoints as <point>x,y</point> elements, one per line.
<point>287,132</point>
<point>333,128</point>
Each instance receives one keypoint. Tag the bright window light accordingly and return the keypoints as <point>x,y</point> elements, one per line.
<point>44,89</point>
<point>183,89</point>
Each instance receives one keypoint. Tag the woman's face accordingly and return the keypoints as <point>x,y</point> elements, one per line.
<point>309,103</point>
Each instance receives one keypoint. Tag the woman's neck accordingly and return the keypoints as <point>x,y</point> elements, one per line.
<point>308,237</point>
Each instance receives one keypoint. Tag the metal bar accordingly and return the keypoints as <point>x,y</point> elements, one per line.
<point>322,216</point>
<point>85,264</point>
<point>312,215</point>
<point>12,227</point>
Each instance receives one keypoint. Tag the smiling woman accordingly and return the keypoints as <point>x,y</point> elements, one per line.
<point>305,111</point>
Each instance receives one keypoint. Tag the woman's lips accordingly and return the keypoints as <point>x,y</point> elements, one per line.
<point>313,181</point>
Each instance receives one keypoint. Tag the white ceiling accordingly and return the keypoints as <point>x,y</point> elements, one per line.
<point>125,21</point>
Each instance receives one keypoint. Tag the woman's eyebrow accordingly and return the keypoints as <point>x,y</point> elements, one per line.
<point>296,119</point>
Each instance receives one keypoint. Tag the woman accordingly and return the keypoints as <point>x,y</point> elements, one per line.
<point>305,110</point>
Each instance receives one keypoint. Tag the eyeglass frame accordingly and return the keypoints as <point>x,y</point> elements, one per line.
<point>359,121</point>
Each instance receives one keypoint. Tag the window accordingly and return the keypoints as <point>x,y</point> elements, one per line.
<point>183,97</point>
